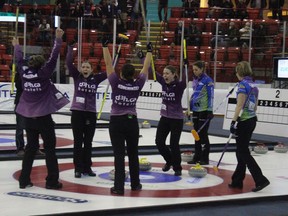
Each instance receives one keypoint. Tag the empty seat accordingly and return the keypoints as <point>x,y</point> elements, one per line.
<point>206,38</point>
<point>4,73</point>
<point>233,54</point>
<point>2,49</point>
<point>164,51</point>
<point>193,53</point>
<point>220,54</point>
<point>173,23</point>
<point>203,12</point>
<point>177,11</point>
<point>205,53</point>
<point>7,59</point>
<point>168,37</point>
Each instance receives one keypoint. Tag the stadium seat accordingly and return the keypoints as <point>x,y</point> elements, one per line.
<point>203,12</point>
<point>4,73</point>
<point>233,54</point>
<point>2,49</point>
<point>177,12</point>
<point>7,59</point>
<point>168,37</point>
<point>205,53</point>
<point>173,23</point>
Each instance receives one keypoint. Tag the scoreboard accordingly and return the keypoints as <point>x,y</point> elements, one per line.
<point>272,112</point>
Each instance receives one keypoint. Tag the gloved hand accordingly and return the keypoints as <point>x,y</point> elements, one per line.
<point>72,43</point>
<point>149,47</point>
<point>210,115</point>
<point>105,41</point>
<point>233,128</point>
<point>140,54</point>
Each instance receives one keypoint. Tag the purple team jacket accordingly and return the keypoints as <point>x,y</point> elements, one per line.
<point>40,96</point>
<point>85,89</point>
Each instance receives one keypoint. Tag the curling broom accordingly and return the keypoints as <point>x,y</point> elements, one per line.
<point>14,57</point>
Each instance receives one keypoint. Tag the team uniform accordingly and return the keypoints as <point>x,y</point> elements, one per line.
<point>39,100</point>
<point>83,117</point>
<point>245,128</point>
<point>201,104</point>
<point>171,121</point>
<point>124,127</point>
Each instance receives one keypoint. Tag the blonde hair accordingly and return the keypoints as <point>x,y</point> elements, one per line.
<point>243,69</point>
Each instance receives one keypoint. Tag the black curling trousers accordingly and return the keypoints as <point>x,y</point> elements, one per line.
<point>171,153</point>
<point>83,126</point>
<point>244,158</point>
<point>202,147</point>
<point>45,127</point>
<point>123,130</point>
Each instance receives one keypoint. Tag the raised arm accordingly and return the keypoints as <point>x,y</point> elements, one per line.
<point>17,51</point>
<point>73,71</point>
<point>107,57</point>
<point>51,63</point>
<point>147,60</point>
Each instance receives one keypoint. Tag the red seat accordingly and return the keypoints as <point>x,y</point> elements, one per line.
<point>7,59</point>
<point>177,11</point>
<point>218,68</point>
<point>229,68</point>
<point>187,22</point>
<point>173,23</point>
<point>253,13</point>
<point>206,38</point>
<point>160,64</point>
<point>93,36</point>
<point>205,53</point>
<point>245,54</point>
<point>4,73</point>
<point>221,54</point>
<point>199,22</point>
<point>202,12</point>
<point>210,25</point>
<point>98,51</point>
<point>71,34</point>
<point>193,53</point>
<point>164,51</point>
<point>233,54</point>
<point>168,37</point>
<point>2,49</point>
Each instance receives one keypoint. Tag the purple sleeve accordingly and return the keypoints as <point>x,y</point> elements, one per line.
<point>52,61</point>
<point>112,79</point>
<point>18,55</point>
<point>101,77</point>
<point>73,71</point>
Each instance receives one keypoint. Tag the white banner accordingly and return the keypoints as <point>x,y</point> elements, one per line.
<point>272,112</point>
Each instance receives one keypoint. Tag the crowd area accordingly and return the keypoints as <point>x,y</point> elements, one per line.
<point>236,22</point>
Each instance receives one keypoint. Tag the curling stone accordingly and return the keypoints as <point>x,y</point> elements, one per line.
<point>112,174</point>
<point>187,156</point>
<point>146,124</point>
<point>281,148</point>
<point>144,164</point>
<point>261,149</point>
<point>197,171</point>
